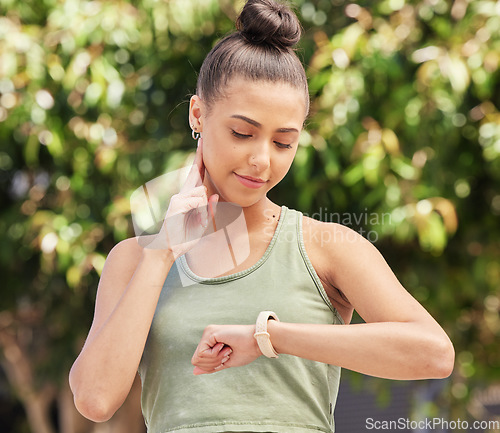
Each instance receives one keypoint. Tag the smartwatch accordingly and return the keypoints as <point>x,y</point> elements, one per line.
<point>261,334</point>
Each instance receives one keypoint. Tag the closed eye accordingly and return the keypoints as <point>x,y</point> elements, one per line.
<point>245,136</point>
<point>238,135</point>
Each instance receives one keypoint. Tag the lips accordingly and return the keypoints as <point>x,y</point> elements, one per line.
<point>250,182</point>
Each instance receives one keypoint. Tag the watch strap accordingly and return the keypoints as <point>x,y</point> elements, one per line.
<point>262,336</point>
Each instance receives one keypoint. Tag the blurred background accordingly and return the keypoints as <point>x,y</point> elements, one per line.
<point>402,145</point>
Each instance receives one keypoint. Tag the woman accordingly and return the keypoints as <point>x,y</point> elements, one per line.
<point>305,275</point>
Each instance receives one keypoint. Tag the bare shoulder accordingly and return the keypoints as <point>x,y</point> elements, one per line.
<point>331,248</point>
<point>122,262</point>
<point>338,248</point>
<point>355,268</point>
<point>330,231</point>
<point>334,241</point>
<point>126,252</point>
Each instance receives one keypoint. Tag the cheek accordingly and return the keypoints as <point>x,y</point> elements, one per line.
<point>286,162</point>
<point>218,152</point>
<point>213,157</point>
<point>207,161</point>
<point>281,166</point>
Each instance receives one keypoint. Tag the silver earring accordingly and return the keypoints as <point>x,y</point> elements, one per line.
<point>194,133</point>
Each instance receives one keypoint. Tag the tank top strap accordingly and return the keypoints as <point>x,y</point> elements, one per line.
<point>290,243</point>
<point>287,234</point>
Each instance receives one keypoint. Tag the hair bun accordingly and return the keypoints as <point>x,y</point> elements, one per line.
<point>266,22</point>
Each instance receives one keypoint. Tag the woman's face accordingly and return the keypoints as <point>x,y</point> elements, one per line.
<point>250,138</point>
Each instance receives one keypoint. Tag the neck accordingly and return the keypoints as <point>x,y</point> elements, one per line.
<point>262,213</point>
<point>257,216</point>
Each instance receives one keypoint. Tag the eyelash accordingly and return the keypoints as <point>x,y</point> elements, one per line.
<point>243,136</point>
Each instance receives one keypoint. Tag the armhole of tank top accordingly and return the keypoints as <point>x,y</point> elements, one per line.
<point>312,271</point>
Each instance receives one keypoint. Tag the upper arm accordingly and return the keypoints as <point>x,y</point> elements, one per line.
<point>361,273</point>
<point>118,270</point>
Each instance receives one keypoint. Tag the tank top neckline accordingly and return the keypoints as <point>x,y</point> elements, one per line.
<point>216,280</point>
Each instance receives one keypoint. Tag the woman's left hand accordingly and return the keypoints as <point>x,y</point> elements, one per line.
<point>224,346</point>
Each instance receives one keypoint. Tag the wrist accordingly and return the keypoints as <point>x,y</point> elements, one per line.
<point>256,347</point>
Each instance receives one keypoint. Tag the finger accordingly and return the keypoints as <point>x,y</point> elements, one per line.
<point>193,204</point>
<point>197,172</point>
<point>223,364</point>
<point>203,216</point>
<point>226,351</point>
<point>210,348</point>
<point>212,206</point>
<point>208,363</point>
<point>208,369</point>
<point>214,350</point>
<point>197,371</point>
<point>198,191</point>
<point>189,213</point>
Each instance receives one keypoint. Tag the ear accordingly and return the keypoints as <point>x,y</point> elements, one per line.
<point>196,113</point>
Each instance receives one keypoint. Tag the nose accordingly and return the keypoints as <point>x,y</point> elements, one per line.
<point>260,156</point>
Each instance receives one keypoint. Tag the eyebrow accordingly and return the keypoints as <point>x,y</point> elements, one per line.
<point>258,125</point>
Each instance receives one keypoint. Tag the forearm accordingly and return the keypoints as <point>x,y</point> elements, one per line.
<point>108,362</point>
<point>392,350</point>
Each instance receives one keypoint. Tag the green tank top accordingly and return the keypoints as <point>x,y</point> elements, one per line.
<point>285,395</point>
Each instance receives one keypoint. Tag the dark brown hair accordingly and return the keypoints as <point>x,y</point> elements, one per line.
<point>260,49</point>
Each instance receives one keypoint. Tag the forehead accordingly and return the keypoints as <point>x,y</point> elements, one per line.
<point>262,101</point>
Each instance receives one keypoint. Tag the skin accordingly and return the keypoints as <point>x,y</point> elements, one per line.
<point>252,131</point>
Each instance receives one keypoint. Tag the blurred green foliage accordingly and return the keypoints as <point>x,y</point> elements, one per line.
<point>404,137</point>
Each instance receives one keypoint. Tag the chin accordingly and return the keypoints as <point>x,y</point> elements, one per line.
<point>236,195</point>
<point>243,201</point>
